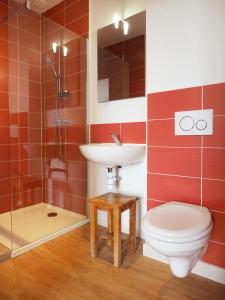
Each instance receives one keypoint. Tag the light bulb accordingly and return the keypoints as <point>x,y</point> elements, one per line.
<point>54,47</point>
<point>116,21</point>
<point>125,27</point>
<point>65,51</point>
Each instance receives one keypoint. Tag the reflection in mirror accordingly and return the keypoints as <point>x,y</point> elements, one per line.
<point>121,59</point>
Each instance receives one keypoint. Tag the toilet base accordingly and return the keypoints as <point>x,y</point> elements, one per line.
<point>181,266</point>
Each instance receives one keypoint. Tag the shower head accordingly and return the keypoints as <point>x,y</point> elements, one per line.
<point>49,62</point>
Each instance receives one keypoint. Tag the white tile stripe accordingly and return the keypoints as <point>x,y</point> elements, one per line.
<point>186,176</point>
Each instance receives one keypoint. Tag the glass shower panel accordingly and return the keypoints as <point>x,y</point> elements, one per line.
<point>25,120</point>
<point>64,111</point>
<point>47,123</point>
<point>5,203</point>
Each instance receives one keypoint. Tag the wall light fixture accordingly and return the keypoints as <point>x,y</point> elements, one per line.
<point>117,21</point>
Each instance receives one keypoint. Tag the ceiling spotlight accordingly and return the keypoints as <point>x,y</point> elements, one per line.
<point>116,21</point>
<point>125,27</point>
<point>65,51</point>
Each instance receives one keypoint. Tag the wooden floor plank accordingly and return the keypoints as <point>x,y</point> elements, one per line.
<point>63,269</point>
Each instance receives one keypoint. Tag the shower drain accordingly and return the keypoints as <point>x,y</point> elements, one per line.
<point>52,214</point>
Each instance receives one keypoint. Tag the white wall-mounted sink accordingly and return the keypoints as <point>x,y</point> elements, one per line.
<point>112,155</point>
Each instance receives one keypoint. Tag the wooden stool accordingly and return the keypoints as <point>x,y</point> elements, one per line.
<point>114,204</point>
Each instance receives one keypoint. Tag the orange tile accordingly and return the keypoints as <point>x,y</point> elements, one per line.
<point>164,104</point>
<point>5,204</point>
<point>50,88</point>
<point>13,51</point>
<point>4,187</point>
<point>4,152</point>
<point>134,132</point>
<point>3,48</point>
<point>215,254</point>
<point>76,81</point>
<point>161,133</point>
<point>213,163</point>
<point>29,56</point>
<point>79,26</point>
<point>55,9</point>
<point>24,167</point>
<point>23,119</point>
<point>4,74</point>
<point>76,116</point>
<point>15,168</point>
<point>5,169</point>
<point>4,118</point>
<point>31,41</point>
<point>30,25</point>
<point>34,135</point>
<point>23,135</point>
<point>213,194</point>
<point>4,134</point>
<point>77,170</point>
<point>76,135</point>
<point>14,151</point>
<point>213,97</point>
<point>153,203</point>
<point>13,68</point>
<point>76,187</point>
<point>218,233</point>
<point>177,161</point>
<point>35,120</point>
<point>75,204</point>
<point>174,188</point>
<point>101,133</point>
<point>76,10</point>
<point>34,166</point>
<point>218,137</point>
<point>75,63</point>
<point>73,153</point>
<point>4,103</point>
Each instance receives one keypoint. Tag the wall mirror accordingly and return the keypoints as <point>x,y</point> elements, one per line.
<point>121,59</point>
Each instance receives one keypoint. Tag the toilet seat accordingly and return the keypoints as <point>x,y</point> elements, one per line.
<point>177,222</point>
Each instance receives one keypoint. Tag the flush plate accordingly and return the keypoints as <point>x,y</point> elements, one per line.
<point>194,122</point>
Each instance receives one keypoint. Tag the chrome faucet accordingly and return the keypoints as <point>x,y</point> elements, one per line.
<point>116,139</point>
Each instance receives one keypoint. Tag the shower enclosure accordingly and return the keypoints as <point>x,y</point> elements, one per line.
<point>43,180</point>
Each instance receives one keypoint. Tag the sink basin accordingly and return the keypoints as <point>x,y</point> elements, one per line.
<point>112,155</point>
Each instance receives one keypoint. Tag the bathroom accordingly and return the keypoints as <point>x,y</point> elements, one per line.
<point>50,106</point>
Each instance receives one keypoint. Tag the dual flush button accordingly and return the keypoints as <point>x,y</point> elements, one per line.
<point>195,122</point>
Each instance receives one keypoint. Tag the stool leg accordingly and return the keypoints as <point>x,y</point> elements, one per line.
<point>110,226</point>
<point>133,228</point>
<point>93,229</point>
<point>117,237</point>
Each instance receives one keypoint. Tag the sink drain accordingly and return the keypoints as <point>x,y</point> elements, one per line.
<point>52,214</point>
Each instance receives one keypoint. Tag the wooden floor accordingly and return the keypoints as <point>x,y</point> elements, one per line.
<point>63,270</point>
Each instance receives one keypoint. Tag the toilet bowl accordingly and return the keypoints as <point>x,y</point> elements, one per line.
<point>180,231</point>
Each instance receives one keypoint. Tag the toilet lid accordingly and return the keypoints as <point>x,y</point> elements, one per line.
<point>177,219</point>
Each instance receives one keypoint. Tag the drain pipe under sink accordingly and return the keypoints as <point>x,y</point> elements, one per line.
<point>112,178</point>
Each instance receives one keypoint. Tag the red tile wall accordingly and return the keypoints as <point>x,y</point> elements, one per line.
<point>5,203</point>
<point>73,15</point>
<point>134,132</point>
<point>20,111</point>
<point>189,168</point>
<point>25,108</point>
<point>63,24</point>
<point>26,84</point>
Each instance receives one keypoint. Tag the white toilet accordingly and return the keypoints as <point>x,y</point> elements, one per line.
<point>179,231</point>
